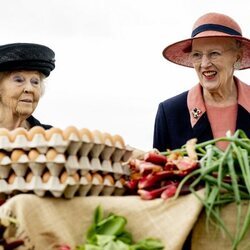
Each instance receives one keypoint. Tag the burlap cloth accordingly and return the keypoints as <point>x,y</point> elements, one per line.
<point>47,222</point>
<point>212,238</point>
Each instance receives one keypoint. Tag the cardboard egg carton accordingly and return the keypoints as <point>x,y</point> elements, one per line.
<point>71,141</point>
<point>64,185</point>
<point>81,153</point>
<point>20,161</point>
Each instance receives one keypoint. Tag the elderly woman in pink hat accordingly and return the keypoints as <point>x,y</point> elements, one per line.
<point>220,102</point>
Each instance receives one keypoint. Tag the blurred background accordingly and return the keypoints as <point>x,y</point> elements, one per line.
<point>110,74</point>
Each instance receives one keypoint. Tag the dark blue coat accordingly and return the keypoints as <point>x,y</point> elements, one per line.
<point>173,128</point>
<point>34,122</point>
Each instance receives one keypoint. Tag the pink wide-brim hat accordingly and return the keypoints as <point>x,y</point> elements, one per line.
<point>208,25</point>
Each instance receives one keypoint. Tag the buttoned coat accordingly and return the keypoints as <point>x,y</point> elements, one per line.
<point>173,127</point>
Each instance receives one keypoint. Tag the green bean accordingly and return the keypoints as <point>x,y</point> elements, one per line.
<point>216,216</point>
<point>245,225</point>
<point>237,197</point>
<point>232,183</point>
<point>246,175</point>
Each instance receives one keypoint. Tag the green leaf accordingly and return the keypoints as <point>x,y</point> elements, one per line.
<point>98,215</point>
<point>121,245</point>
<point>91,234</point>
<point>92,247</point>
<point>103,240</point>
<point>148,244</point>
<point>116,245</point>
<point>114,226</point>
<point>125,237</point>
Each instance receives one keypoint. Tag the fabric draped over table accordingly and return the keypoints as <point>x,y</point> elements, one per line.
<point>48,222</point>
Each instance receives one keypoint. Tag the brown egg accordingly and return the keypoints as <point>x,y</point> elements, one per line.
<point>4,132</point>
<point>35,130</point>
<point>98,137</point>
<point>108,179</point>
<point>122,181</point>
<point>118,141</point>
<point>88,177</point>
<point>71,130</point>
<point>108,139</point>
<point>18,131</point>
<point>2,155</point>
<point>29,177</point>
<point>49,133</point>
<point>65,175</point>
<point>12,178</point>
<point>86,135</point>
<point>76,177</point>
<point>46,176</point>
<point>33,154</point>
<point>51,154</point>
<point>16,154</point>
<point>98,177</point>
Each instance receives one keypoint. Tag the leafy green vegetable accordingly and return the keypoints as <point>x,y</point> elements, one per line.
<point>109,234</point>
<point>226,176</point>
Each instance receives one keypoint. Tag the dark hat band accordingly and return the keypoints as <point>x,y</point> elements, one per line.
<point>215,27</point>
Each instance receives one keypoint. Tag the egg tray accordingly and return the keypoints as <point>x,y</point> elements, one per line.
<point>72,141</point>
<point>61,163</point>
<point>56,151</point>
<point>95,185</point>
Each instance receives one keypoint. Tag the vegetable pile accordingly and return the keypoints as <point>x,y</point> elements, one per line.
<point>108,233</point>
<point>225,176</point>
<point>157,175</point>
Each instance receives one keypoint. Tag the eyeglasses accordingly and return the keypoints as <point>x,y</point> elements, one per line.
<point>212,56</point>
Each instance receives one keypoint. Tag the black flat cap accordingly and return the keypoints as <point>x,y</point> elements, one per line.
<point>27,56</point>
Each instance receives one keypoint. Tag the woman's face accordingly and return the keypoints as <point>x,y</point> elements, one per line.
<point>20,92</point>
<point>213,60</point>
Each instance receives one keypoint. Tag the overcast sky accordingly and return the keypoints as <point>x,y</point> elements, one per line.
<point>110,74</point>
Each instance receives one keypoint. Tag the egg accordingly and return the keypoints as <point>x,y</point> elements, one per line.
<point>18,131</point>
<point>50,132</point>
<point>98,137</point>
<point>35,131</point>
<point>16,154</point>
<point>108,139</point>
<point>33,154</point>
<point>86,135</point>
<point>4,132</point>
<point>51,154</point>
<point>71,131</point>
<point>65,175</point>
<point>118,141</point>
<point>46,177</point>
<point>109,180</point>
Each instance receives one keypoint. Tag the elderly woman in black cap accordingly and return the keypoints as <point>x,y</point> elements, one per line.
<point>23,67</point>
<point>220,101</point>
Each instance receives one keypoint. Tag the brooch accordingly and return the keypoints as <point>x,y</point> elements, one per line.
<point>196,113</point>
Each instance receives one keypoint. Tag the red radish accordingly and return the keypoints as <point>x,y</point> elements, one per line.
<point>152,194</point>
<point>155,158</point>
<point>169,191</point>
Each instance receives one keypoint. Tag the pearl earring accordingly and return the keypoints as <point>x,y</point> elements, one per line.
<point>237,65</point>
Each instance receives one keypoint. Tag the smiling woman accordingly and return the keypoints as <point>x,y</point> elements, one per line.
<point>23,67</point>
<point>220,101</point>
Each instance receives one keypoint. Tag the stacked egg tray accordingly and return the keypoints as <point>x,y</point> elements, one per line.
<point>62,163</point>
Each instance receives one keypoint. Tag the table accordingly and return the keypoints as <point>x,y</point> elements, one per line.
<point>48,222</point>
